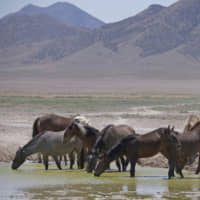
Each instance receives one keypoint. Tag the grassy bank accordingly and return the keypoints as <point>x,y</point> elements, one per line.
<point>100,103</point>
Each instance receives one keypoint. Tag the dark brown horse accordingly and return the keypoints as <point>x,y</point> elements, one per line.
<point>134,147</point>
<point>52,122</point>
<point>190,145</point>
<point>109,136</point>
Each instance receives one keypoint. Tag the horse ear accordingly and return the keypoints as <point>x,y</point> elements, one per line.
<point>172,128</point>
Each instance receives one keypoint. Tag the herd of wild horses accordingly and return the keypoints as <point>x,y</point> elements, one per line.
<point>59,136</point>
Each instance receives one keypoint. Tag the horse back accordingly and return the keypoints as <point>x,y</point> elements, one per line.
<point>53,122</point>
<point>115,133</point>
<point>142,148</point>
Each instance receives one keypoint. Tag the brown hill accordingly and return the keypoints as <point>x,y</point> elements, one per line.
<point>160,43</point>
<point>39,38</point>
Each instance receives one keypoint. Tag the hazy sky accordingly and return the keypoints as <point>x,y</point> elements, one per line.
<point>106,10</point>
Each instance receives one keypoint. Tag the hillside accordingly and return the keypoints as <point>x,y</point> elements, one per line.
<point>64,12</point>
<point>160,43</point>
<point>40,37</point>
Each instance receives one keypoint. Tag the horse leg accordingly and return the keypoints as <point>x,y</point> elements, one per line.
<point>55,157</point>
<point>65,159</point>
<point>60,158</point>
<point>126,163</point>
<point>39,158</point>
<point>171,164</point>
<point>118,165</point>
<point>71,157</point>
<point>45,159</point>
<point>132,171</point>
<point>198,167</point>
<point>179,171</point>
<point>81,158</point>
<point>123,163</point>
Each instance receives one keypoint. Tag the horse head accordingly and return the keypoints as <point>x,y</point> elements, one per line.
<point>74,129</point>
<point>82,120</point>
<point>92,160</point>
<point>103,164</point>
<point>19,158</point>
<point>169,136</point>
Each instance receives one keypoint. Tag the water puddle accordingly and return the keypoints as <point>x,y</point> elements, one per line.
<point>31,181</point>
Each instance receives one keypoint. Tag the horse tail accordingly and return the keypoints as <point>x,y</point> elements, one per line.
<point>35,129</point>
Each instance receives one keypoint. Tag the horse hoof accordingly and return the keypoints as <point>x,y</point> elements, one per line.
<point>96,175</point>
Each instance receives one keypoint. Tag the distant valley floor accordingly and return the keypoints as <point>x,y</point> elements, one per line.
<point>98,85</point>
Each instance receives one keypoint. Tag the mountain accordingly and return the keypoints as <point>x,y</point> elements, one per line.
<point>159,43</point>
<point>64,12</point>
<point>40,37</point>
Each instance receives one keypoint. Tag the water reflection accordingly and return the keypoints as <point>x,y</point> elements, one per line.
<point>29,183</point>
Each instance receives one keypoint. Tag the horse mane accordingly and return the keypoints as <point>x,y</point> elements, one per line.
<point>33,140</point>
<point>91,131</point>
<point>195,126</point>
<point>99,142</point>
<point>119,147</point>
<point>191,122</point>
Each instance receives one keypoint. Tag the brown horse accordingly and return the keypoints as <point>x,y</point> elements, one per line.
<point>90,135</point>
<point>52,122</point>
<point>109,136</point>
<point>190,145</point>
<point>87,134</point>
<point>134,147</point>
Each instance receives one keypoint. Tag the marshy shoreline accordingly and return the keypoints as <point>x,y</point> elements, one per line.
<point>143,112</point>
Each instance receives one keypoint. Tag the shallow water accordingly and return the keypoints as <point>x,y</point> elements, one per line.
<point>31,181</point>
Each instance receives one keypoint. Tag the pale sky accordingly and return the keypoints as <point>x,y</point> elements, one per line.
<point>106,10</point>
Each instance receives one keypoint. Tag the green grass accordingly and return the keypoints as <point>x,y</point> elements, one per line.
<point>76,104</point>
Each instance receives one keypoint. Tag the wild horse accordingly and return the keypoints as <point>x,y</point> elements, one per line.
<point>52,122</point>
<point>89,135</point>
<point>109,136</point>
<point>48,143</point>
<point>139,146</point>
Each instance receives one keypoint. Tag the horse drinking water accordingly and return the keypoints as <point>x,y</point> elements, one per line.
<point>134,147</point>
<point>52,122</point>
<point>109,136</point>
<point>89,135</point>
<point>48,143</point>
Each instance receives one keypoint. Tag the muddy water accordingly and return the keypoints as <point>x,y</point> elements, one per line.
<point>31,181</point>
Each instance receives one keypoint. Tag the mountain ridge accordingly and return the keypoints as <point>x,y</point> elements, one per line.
<point>157,43</point>
<point>64,12</point>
